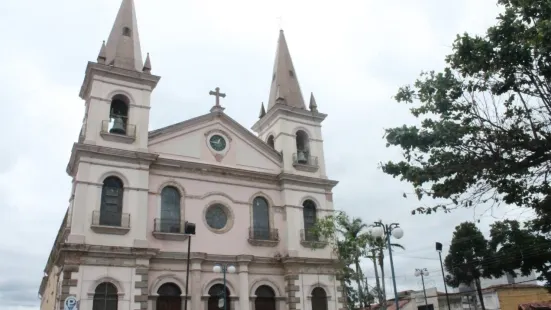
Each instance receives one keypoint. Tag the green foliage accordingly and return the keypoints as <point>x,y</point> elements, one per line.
<point>349,241</point>
<point>485,120</point>
<point>519,248</point>
<point>484,135</point>
<point>468,257</point>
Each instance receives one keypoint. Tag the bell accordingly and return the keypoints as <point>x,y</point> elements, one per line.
<point>118,127</point>
<point>301,157</point>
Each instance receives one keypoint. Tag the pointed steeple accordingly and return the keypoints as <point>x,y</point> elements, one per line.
<point>313,106</point>
<point>262,111</point>
<point>284,79</point>
<point>101,55</point>
<point>123,46</point>
<point>147,64</point>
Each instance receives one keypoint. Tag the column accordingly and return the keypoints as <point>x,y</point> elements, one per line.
<point>244,281</point>
<point>195,285</point>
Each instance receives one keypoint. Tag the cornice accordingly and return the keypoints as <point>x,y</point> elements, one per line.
<point>281,109</point>
<point>287,178</point>
<point>93,68</point>
<point>214,170</point>
<point>80,149</point>
<point>224,118</point>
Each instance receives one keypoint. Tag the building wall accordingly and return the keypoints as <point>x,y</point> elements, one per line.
<point>510,298</point>
<point>49,298</point>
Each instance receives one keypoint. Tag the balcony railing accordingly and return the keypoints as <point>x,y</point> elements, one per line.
<point>118,129</point>
<point>263,236</point>
<point>303,161</point>
<point>110,222</point>
<point>311,239</point>
<point>169,229</point>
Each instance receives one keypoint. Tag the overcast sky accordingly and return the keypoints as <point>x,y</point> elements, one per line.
<point>353,56</point>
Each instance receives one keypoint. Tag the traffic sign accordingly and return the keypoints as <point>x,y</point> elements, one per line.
<point>70,303</point>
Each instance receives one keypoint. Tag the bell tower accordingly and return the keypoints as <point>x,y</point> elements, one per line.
<point>287,125</point>
<point>117,88</point>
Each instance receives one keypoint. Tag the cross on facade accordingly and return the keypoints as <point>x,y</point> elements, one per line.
<point>217,94</point>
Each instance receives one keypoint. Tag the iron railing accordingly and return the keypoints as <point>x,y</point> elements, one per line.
<point>168,226</point>
<point>309,235</point>
<point>113,219</point>
<point>259,233</point>
<point>304,158</point>
<point>120,127</point>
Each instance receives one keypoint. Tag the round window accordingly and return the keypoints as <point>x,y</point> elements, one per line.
<point>217,217</point>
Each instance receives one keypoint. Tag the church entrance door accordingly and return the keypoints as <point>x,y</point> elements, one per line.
<point>265,298</point>
<point>216,293</point>
<point>169,297</point>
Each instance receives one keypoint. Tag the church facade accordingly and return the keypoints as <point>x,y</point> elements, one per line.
<point>123,244</point>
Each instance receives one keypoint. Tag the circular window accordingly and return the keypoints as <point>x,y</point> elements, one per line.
<point>217,216</point>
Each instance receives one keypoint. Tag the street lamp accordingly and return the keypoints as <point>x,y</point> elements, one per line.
<point>189,230</point>
<point>380,230</point>
<point>439,250</point>
<point>223,269</point>
<point>423,272</point>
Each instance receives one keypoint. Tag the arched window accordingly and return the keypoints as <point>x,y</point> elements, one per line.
<point>303,147</point>
<point>170,210</point>
<point>216,297</point>
<point>105,297</point>
<point>265,298</point>
<point>111,202</point>
<point>271,141</point>
<point>261,219</point>
<point>310,216</point>
<point>118,116</point>
<point>319,299</point>
<point>169,297</point>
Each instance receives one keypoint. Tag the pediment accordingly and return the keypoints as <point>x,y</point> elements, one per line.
<point>190,141</point>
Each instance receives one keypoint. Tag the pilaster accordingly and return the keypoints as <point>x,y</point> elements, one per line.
<point>243,261</point>
<point>292,288</point>
<point>195,285</point>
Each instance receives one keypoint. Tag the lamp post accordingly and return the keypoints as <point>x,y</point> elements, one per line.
<point>189,230</point>
<point>439,250</point>
<point>423,272</point>
<point>224,269</point>
<point>380,230</point>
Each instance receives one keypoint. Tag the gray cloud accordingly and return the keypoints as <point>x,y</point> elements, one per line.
<point>352,56</point>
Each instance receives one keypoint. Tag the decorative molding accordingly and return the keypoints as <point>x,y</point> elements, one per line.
<point>218,280</point>
<point>167,278</point>
<point>117,138</point>
<point>218,131</point>
<point>249,136</point>
<point>265,281</point>
<point>170,236</point>
<point>81,149</point>
<point>229,215</point>
<point>96,71</point>
<point>282,110</point>
<point>114,173</point>
<point>122,92</point>
<point>306,168</point>
<point>314,244</point>
<point>110,230</point>
<point>116,283</point>
<point>264,243</point>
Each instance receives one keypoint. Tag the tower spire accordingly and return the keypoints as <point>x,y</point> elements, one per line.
<point>123,45</point>
<point>284,79</point>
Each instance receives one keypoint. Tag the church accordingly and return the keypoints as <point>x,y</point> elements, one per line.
<point>203,214</point>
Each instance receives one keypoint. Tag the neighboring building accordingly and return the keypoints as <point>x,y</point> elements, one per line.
<point>509,279</point>
<point>252,197</point>
<point>511,296</point>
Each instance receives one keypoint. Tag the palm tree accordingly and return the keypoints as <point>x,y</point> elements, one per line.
<point>355,241</point>
<point>380,245</point>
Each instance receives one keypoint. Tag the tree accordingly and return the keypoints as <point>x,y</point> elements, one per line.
<point>378,246</point>
<point>349,240</point>
<point>520,250</point>
<point>485,121</point>
<point>468,258</point>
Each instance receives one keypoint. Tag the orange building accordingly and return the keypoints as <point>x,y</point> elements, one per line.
<point>511,296</point>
